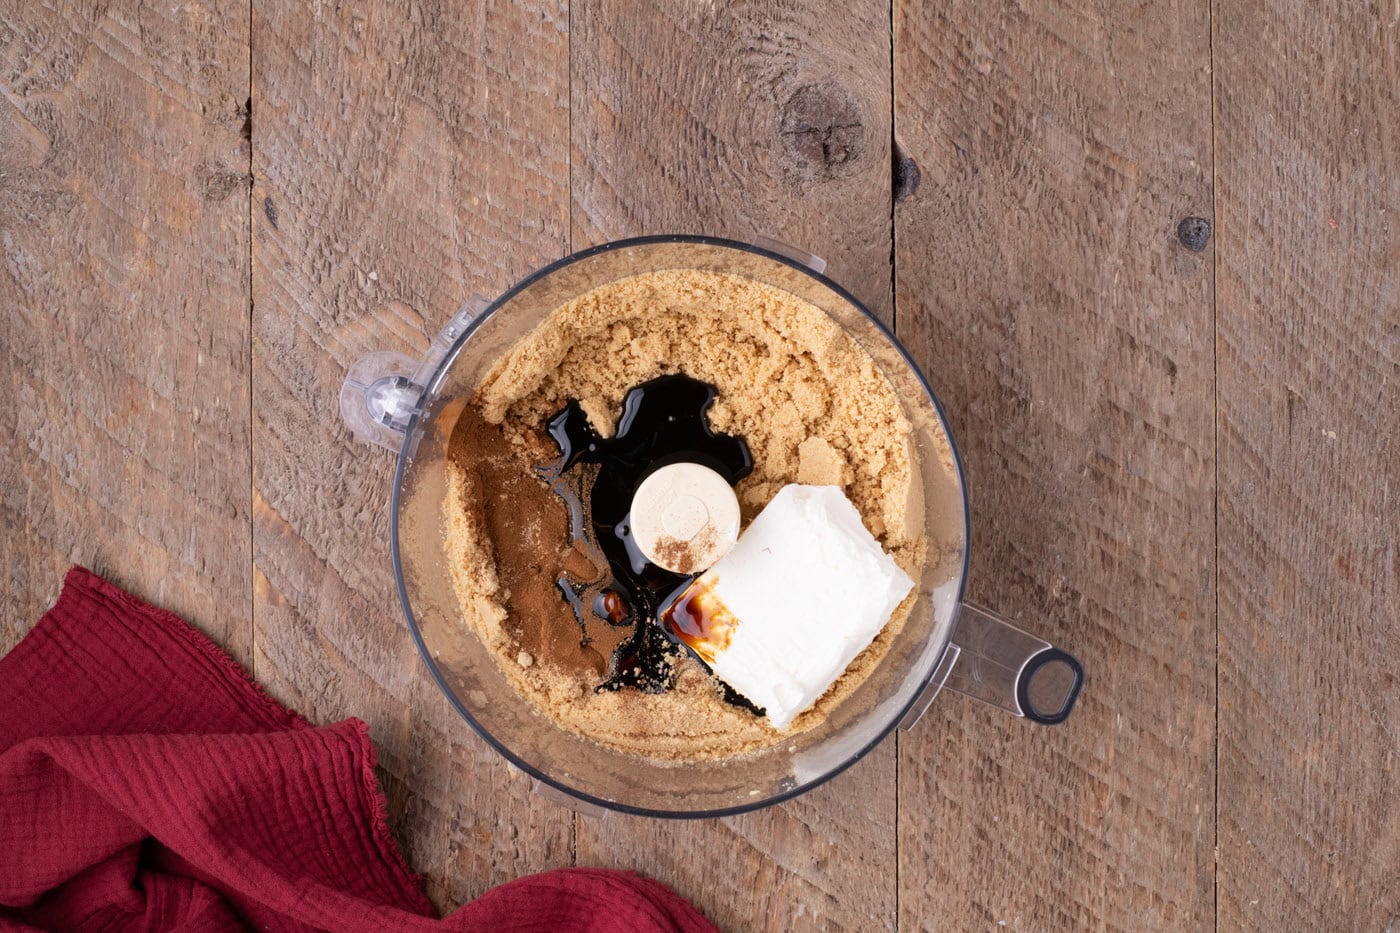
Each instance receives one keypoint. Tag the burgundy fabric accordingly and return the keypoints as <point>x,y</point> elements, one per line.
<point>146,783</point>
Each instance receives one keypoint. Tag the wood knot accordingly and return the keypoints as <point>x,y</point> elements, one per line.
<point>822,130</point>
<point>216,182</point>
<point>1194,233</point>
<point>907,175</point>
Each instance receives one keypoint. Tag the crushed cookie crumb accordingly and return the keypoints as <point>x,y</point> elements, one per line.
<point>809,401</point>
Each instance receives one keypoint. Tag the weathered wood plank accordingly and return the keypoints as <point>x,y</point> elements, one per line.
<point>1308,200</point>
<point>1057,151</point>
<point>124,308</point>
<point>746,121</point>
<point>769,121</point>
<point>405,158</point>
<point>1041,285</point>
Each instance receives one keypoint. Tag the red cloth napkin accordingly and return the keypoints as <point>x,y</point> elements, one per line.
<point>146,783</point>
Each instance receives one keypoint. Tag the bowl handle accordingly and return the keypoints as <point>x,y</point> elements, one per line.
<point>383,390</point>
<point>1011,669</point>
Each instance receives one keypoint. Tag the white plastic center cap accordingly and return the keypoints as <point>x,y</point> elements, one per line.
<point>685,517</point>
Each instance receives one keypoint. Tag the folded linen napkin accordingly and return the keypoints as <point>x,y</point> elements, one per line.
<point>146,783</point>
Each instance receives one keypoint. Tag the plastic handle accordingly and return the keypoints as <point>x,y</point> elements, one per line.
<point>932,689</point>
<point>1013,670</point>
<point>383,390</point>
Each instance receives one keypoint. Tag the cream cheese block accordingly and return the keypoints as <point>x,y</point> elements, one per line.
<point>806,589</point>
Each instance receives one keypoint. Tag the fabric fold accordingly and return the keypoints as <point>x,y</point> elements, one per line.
<point>147,783</point>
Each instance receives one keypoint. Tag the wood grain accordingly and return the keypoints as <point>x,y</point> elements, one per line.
<point>408,156</point>
<point>124,308</point>
<point>1308,200</point>
<point>748,121</point>
<point>405,158</point>
<point>1040,284</point>
<point>766,120</point>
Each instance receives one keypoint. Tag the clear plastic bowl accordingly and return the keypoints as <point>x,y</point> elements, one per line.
<point>413,405</point>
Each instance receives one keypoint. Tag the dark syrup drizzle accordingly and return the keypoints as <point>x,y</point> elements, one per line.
<point>663,422</point>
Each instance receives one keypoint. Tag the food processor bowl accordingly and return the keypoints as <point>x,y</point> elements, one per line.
<point>413,405</point>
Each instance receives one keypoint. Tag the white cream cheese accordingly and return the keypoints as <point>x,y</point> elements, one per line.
<point>804,591</point>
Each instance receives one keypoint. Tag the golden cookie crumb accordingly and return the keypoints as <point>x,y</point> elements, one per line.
<point>812,407</point>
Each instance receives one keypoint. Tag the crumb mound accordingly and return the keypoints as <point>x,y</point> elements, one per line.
<point>810,403</point>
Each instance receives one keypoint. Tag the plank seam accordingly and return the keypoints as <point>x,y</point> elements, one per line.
<point>252,591</point>
<point>1215,451</point>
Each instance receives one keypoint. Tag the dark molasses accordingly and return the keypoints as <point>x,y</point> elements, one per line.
<point>663,422</point>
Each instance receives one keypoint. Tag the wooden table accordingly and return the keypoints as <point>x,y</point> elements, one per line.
<point>1181,442</point>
